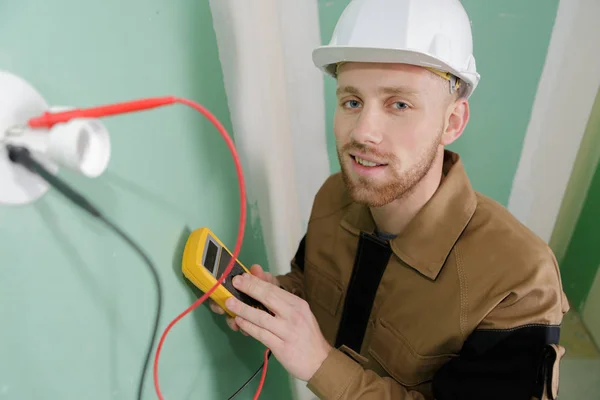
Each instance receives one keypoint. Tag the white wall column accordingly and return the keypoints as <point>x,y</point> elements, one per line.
<point>561,110</point>
<point>300,32</point>
<point>276,101</point>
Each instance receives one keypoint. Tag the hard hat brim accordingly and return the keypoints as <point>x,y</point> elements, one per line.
<point>326,58</point>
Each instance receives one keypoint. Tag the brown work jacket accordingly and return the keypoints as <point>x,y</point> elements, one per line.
<point>466,303</point>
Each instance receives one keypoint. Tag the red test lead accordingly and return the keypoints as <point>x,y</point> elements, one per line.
<point>47,120</point>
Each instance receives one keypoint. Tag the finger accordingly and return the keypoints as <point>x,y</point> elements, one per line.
<point>262,335</point>
<point>215,307</point>
<point>272,280</point>
<point>232,324</point>
<point>258,317</point>
<point>274,298</point>
<point>257,271</point>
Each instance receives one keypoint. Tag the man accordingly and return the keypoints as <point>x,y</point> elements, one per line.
<point>408,283</point>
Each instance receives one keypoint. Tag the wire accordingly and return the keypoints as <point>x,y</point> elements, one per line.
<point>158,307</point>
<point>22,156</point>
<point>264,375</point>
<point>47,120</point>
<point>238,244</point>
<point>263,365</point>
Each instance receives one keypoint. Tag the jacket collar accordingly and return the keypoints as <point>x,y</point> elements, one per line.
<point>430,236</point>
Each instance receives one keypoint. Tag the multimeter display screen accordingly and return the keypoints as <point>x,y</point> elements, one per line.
<point>211,256</point>
<point>224,262</point>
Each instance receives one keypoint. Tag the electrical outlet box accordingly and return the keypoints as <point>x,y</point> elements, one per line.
<point>19,101</point>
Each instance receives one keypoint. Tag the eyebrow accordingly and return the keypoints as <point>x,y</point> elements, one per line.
<point>347,89</point>
<point>389,90</point>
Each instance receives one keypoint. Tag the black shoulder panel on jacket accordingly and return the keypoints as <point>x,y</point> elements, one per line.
<point>511,364</point>
<point>371,259</point>
<point>300,254</point>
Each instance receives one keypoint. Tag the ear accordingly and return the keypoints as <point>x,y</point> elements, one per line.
<point>456,120</point>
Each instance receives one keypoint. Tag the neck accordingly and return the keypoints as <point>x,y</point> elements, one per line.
<point>395,216</point>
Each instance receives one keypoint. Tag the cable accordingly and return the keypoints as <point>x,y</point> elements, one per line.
<point>47,120</point>
<point>158,307</point>
<point>238,244</point>
<point>22,156</point>
<point>264,375</point>
<point>263,365</point>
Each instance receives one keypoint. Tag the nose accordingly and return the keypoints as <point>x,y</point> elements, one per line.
<point>367,129</point>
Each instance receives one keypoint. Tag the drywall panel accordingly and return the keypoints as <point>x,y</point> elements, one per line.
<point>77,303</point>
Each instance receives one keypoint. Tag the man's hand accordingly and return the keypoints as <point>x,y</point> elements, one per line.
<point>255,270</point>
<point>292,333</point>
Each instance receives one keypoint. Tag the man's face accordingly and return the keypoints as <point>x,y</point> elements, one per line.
<point>389,124</point>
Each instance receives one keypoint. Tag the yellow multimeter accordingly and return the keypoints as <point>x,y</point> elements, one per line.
<point>205,258</point>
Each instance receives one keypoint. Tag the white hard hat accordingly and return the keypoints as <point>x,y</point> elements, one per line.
<point>435,34</point>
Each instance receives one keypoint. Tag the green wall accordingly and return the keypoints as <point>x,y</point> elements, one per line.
<point>511,40</point>
<point>577,228</point>
<point>581,261</point>
<point>77,304</point>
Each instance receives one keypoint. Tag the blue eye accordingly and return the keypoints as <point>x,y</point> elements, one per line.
<point>400,105</point>
<point>352,104</point>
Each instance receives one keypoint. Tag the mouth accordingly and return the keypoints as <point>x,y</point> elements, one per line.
<point>368,168</point>
<point>366,162</point>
